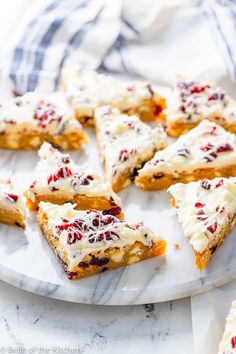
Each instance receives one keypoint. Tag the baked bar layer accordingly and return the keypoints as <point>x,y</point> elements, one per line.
<point>82,202</point>
<point>176,128</point>
<point>11,217</point>
<point>164,181</point>
<point>202,259</point>
<point>100,261</point>
<point>148,112</point>
<point>33,140</point>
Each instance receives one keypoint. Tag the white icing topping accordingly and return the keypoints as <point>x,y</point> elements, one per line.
<point>191,102</point>
<point>125,141</point>
<point>9,198</point>
<point>228,342</point>
<point>206,146</point>
<point>57,173</point>
<point>83,232</point>
<point>204,208</point>
<point>89,90</point>
<point>38,112</point>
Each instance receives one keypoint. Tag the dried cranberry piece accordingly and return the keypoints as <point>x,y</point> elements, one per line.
<point>87,180</point>
<point>220,209</point>
<point>224,148</point>
<point>212,228</point>
<point>95,222</point>
<point>99,261</point>
<point>33,184</point>
<point>211,157</point>
<point>12,197</point>
<point>65,159</point>
<point>219,183</point>
<point>157,110</point>
<point>113,211</point>
<point>207,147</point>
<point>211,131</point>
<point>108,220</point>
<point>199,205</point>
<point>216,96</point>
<point>73,236</point>
<point>64,172</point>
<point>201,215</point>
<point>233,342</point>
<point>124,155</point>
<point>205,184</point>
<point>83,264</point>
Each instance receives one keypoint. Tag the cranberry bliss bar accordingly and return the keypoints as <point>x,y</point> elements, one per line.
<point>191,102</point>
<point>89,242</point>
<point>12,208</point>
<point>125,144</point>
<point>58,180</point>
<point>88,90</point>
<point>228,342</point>
<point>207,211</point>
<point>207,151</point>
<point>27,121</point>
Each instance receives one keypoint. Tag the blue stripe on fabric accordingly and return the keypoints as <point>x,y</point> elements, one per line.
<point>129,25</point>
<point>227,46</point>
<point>19,50</point>
<point>75,40</point>
<point>43,45</point>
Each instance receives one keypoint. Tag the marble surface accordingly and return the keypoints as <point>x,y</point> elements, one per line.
<point>32,322</point>
<point>209,311</point>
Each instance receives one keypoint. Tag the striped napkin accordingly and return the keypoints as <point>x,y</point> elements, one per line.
<point>151,39</point>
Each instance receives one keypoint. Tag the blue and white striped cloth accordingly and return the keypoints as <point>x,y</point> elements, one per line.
<point>151,39</point>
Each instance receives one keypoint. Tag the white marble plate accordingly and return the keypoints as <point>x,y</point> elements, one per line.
<point>27,261</point>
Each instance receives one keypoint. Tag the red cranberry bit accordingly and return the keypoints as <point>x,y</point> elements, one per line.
<point>199,205</point>
<point>201,215</point>
<point>108,220</point>
<point>157,110</point>
<point>65,159</point>
<point>207,147</point>
<point>216,96</point>
<point>205,184</point>
<point>99,261</point>
<point>87,180</point>
<point>123,155</point>
<point>73,236</point>
<point>220,209</point>
<point>95,222</point>
<point>233,342</point>
<point>33,184</point>
<point>63,227</point>
<point>45,114</point>
<point>210,157</point>
<point>211,131</point>
<point>130,88</point>
<point>212,228</point>
<point>219,183</point>
<point>12,197</point>
<point>224,148</point>
<point>198,89</point>
<point>64,172</point>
